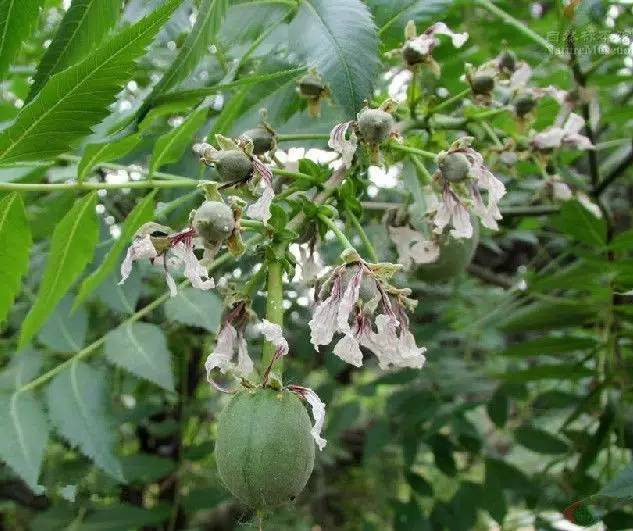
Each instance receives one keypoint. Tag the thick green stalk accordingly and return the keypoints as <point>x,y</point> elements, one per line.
<point>337,232</point>
<point>408,149</point>
<point>446,103</point>
<point>56,187</point>
<point>302,136</point>
<point>363,236</point>
<point>274,313</point>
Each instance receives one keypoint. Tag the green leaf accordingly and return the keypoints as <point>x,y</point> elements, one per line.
<point>202,35</point>
<point>142,213</point>
<point>119,298</point>
<point>549,346</point>
<point>24,435</point>
<point>72,246</point>
<point>75,99</point>
<point>23,367</point>
<point>498,407</point>
<point>17,20</point>
<point>105,152</point>
<point>621,487</point>
<point>170,146</point>
<point>546,315</point>
<point>577,221</point>
<point>194,307</point>
<point>120,516</point>
<point>146,468</point>
<point>15,242</point>
<point>83,28</point>
<point>141,348</point>
<point>563,371</point>
<point>77,399</point>
<point>339,39</point>
<point>419,484</point>
<point>65,331</point>
<point>540,441</point>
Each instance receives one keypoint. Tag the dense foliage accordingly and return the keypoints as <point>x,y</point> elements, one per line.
<point>414,214</point>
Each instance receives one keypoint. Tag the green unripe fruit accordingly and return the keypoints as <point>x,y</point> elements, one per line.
<point>264,449</point>
<point>524,104</point>
<point>311,86</point>
<point>482,85</point>
<point>214,221</point>
<point>262,139</point>
<point>508,61</point>
<point>374,125</point>
<point>455,167</point>
<point>233,165</point>
<point>411,56</point>
<point>368,288</point>
<point>455,256</point>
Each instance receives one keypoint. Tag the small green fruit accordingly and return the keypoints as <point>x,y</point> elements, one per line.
<point>233,165</point>
<point>508,61</point>
<point>311,86</point>
<point>455,256</point>
<point>214,221</point>
<point>411,56</point>
<point>455,167</point>
<point>482,85</point>
<point>264,449</point>
<point>524,105</point>
<point>374,125</point>
<point>262,139</point>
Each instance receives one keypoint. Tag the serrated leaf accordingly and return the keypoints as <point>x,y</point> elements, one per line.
<point>84,26</point>
<point>550,346</point>
<point>141,348</point>
<point>17,20</point>
<point>15,242</point>
<point>23,367</point>
<point>72,246</point>
<point>120,298</point>
<point>194,307</point>
<point>196,45</point>
<point>577,221</point>
<point>77,399</point>
<point>105,152</point>
<point>621,487</point>
<point>142,213</point>
<point>65,331</point>
<point>24,435</point>
<point>170,146</point>
<point>75,99</point>
<point>340,40</point>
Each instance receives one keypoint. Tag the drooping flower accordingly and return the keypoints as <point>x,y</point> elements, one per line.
<point>318,411</point>
<point>417,49</point>
<point>342,144</point>
<point>171,251</point>
<point>413,247</point>
<point>568,135</point>
<point>310,264</point>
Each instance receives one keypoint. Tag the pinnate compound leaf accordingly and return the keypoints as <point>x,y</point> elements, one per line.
<point>340,40</point>
<point>170,146</point>
<point>84,26</point>
<point>76,400</point>
<point>65,330</point>
<point>72,246</point>
<point>105,152</point>
<point>75,99</point>
<point>24,435</point>
<point>194,307</point>
<point>17,20</point>
<point>142,213</point>
<point>141,348</point>
<point>23,367</point>
<point>15,242</point>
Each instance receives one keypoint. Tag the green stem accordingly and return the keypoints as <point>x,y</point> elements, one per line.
<point>337,232</point>
<point>274,312</point>
<point>516,24</point>
<point>363,235</point>
<point>423,174</point>
<point>447,103</point>
<point>491,133</point>
<point>53,187</point>
<point>415,151</point>
<point>302,136</point>
<point>295,175</point>
<point>252,224</point>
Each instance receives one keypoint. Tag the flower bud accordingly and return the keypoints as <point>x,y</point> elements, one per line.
<point>482,85</point>
<point>524,104</point>
<point>233,165</point>
<point>310,86</point>
<point>374,125</point>
<point>214,222</point>
<point>263,139</point>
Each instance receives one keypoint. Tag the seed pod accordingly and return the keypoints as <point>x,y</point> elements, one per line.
<point>233,165</point>
<point>455,257</point>
<point>524,104</point>
<point>508,61</point>
<point>374,125</point>
<point>482,85</point>
<point>262,138</point>
<point>311,86</point>
<point>411,56</point>
<point>214,222</point>
<point>455,167</point>
<point>264,449</point>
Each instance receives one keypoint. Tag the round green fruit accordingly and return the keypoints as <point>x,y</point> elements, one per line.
<point>262,139</point>
<point>482,85</point>
<point>374,125</point>
<point>214,221</point>
<point>264,449</point>
<point>311,86</point>
<point>524,104</point>
<point>455,167</point>
<point>455,256</point>
<point>233,165</point>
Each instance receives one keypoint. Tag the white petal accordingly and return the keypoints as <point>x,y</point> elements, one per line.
<point>439,28</point>
<point>323,324</point>
<point>273,333</point>
<point>349,351</point>
<point>318,412</point>
<point>549,139</point>
<point>261,208</point>
<point>223,351</point>
<point>561,191</point>
<point>574,124</point>
<point>244,362</point>
<point>171,284</point>
<point>310,264</point>
<point>193,270</point>
<point>425,252</point>
<point>382,344</point>
<point>423,44</point>
<point>410,355</point>
<point>349,299</point>
<point>462,227</point>
<point>584,200</point>
<point>141,248</point>
<point>338,142</point>
<point>578,141</point>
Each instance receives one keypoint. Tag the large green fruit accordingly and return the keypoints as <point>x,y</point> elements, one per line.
<point>214,221</point>
<point>455,256</point>
<point>264,449</point>
<point>233,165</point>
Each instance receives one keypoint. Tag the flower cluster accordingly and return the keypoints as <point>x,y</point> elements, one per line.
<point>567,135</point>
<point>356,292</point>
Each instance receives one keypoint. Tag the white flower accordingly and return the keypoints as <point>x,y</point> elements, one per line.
<point>452,211</point>
<point>273,333</point>
<point>228,342</point>
<point>584,200</point>
<point>324,324</point>
<point>196,273</point>
<point>141,248</point>
<point>261,208</point>
<point>340,144</point>
<point>425,43</point>
<point>318,412</point>
<point>310,264</point>
<point>348,349</point>
<point>413,246</point>
<point>568,135</point>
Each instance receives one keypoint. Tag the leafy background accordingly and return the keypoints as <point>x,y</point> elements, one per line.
<point>525,405</point>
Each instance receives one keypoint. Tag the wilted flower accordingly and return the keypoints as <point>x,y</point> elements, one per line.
<point>463,175</point>
<point>418,48</point>
<point>318,411</point>
<point>310,263</point>
<point>345,146</point>
<point>171,251</point>
<point>356,293</point>
<point>568,135</point>
<point>413,246</point>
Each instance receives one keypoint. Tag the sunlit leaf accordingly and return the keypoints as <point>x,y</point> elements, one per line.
<point>193,307</point>
<point>17,20</point>
<point>105,152</point>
